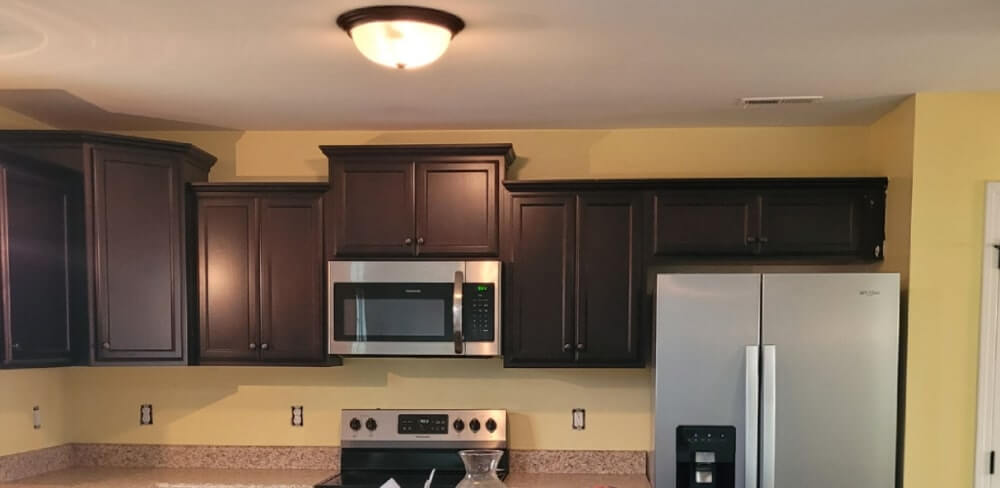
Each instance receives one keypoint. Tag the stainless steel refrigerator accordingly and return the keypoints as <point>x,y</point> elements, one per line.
<point>776,380</point>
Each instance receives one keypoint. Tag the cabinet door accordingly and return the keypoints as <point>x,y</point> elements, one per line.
<point>608,274</point>
<point>539,317</point>
<point>138,255</point>
<point>798,222</point>
<point>291,279</point>
<point>373,209</point>
<point>704,223</point>
<point>456,209</point>
<point>42,274</point>
<point>229,313</point>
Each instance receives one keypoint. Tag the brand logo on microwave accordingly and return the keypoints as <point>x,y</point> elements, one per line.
<point>869,293</point>
<point>412,291</point>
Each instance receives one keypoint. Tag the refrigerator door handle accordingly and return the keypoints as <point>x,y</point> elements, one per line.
<point>752,409</point>
<point>768,417</point>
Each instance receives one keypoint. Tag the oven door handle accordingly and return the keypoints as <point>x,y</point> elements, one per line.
<point>456,312</point>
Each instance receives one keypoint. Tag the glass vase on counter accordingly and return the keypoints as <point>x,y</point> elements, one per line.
<point>481,469</point>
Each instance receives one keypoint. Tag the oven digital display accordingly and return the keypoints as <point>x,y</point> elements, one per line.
<point>423,424</point>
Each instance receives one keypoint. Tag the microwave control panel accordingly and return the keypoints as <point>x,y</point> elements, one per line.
<point>477,312</point>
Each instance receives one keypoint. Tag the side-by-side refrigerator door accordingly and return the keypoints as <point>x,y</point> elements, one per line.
<point>828,386</point>
<point>706,380</point>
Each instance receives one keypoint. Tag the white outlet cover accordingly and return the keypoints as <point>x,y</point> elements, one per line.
<point>36,417</point>
<point>297,419</point>
<point>146,414</point>
<point>579,419</point>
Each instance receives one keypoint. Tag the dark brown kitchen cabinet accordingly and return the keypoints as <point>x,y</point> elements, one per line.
<point>573,282</point>
<point>136,237</point>
<point>260,274</point>
<point>42,280</point>
<point>415,201</point>
<point>816,218</point>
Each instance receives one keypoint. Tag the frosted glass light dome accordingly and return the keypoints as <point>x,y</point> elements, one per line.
<point>401,37</point>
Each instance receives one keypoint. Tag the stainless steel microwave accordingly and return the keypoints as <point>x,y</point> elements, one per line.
<point>411,308</point>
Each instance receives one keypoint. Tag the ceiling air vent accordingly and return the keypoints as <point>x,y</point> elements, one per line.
<point>752,101</point>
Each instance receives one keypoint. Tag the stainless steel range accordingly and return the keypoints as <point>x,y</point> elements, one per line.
<point>406,445</point>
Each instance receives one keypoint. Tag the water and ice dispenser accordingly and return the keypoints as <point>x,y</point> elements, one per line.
<point>706,456</point>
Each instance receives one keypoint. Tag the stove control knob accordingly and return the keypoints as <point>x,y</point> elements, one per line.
<point>474,425</point>
<point>458,425</point>
<point>491,425</point>
<point>370,424</point>
<point>355,424</point>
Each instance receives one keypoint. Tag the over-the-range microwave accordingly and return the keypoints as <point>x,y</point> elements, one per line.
<point>414,308</point>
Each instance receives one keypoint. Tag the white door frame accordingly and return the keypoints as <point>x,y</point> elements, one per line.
<point>989,334</point>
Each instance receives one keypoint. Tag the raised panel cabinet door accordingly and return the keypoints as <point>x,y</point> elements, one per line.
<point>608,274</point>
<point>539,320</point>
<point>457,209</point>
<point>816,222</point>
<point>43,287</point>
<point>138,256</point>
<point>291,279</point>
<point>373,209</point>
<point>704,223</point>
<point>228,257</point>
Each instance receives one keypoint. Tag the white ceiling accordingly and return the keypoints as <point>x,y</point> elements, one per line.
<point>273,64</point>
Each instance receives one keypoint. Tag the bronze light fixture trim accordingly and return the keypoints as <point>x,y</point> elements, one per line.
<point>401,36</point>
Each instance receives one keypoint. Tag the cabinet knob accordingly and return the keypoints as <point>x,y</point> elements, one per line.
<point>106,345</point>
<point>579,347</point>
<point>420,240</point>
<point>763,240</point>
<point>751,240</point>
<point>567,347</point>
<point>408,241</point>
<point>264,346</point>
<point>16,346</point>
<point>253,346</point>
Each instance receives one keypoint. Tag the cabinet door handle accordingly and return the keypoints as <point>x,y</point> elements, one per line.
<point>579,347</point>
<point>763,240</point>
<point>420,240</point>
<point>253,346</point>
<point>408,241</point>
<point>751,240</point>
<point>567,347</point>
<point>16,346</point>
<point>264,346</point>
<point>106,345</point>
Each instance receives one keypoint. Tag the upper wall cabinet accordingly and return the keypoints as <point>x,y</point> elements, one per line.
<point>423,200</point>
<point>260,274</point>
<point>136,245</point>
<point>42,277</point>
<point>770,218</point>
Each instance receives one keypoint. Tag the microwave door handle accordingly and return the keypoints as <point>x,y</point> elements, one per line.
<point>456,311</point>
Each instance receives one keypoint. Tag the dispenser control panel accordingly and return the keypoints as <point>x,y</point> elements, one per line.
<point>706,456</point>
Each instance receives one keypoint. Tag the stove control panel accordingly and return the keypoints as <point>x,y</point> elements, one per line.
<point>477,428</point>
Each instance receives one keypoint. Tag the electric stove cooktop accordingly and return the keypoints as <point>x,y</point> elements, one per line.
<point>405,445</point>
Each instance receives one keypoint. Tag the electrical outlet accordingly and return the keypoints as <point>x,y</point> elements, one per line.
<point>36,417</point>
<point>146,414</point>
<point>297,419</point>
<point>579,419</point>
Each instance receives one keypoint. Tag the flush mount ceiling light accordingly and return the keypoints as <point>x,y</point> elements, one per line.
<point>399,36</point>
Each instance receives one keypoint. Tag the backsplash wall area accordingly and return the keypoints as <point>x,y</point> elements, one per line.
<point>24,389</point>
<point>252,405</point>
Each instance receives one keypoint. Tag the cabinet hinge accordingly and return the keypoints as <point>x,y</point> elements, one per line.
<point>993,458</point>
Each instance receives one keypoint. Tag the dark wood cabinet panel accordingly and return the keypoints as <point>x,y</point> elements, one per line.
<point>539,323</point>
<point>374,208</point>
<point>42,272</point>
<point>810,223</point>
<point>227,279</point>
<point>291,276</point>
<point>704,223</point>
<point>456,209</point>
<point>608,278</point>
<point>139,257</point>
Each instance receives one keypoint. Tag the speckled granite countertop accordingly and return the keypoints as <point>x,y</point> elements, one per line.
<point>244,478</point>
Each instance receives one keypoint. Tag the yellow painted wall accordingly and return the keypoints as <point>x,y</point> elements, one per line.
<point>890,150</point>
<point>24,389</point>
<point>956,150</point>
